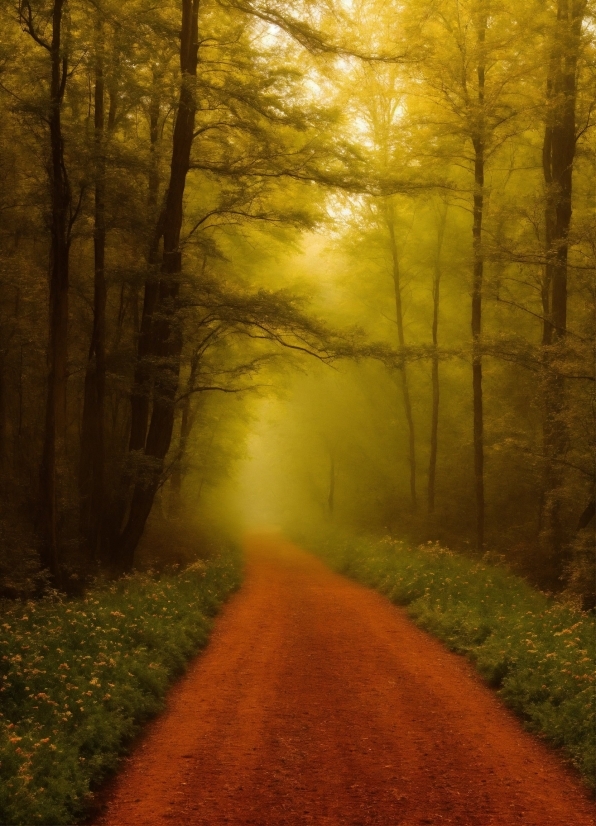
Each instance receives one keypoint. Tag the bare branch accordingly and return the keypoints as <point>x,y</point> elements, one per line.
<point>28,25</point>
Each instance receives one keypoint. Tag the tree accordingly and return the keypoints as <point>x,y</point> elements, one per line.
<point>468,78</point>
<point>434,427</point>
<point>92,459</point>
<point>63,216</point>
<point>205,199</point>
<point>399,320</point>
<point>560,138</point>
<point>165,340</point>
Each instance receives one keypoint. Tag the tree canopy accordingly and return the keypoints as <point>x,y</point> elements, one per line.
<point>382,211</point>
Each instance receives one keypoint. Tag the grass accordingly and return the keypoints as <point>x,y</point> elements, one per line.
<point>539,654</point>
<point>78,677</point>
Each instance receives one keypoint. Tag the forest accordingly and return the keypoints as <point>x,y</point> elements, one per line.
<point>355,237</point>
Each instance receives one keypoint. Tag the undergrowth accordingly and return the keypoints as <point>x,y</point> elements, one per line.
<point>78,677</point>
<point>539,654</point>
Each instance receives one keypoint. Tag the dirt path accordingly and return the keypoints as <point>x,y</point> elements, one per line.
<point>318,702</point>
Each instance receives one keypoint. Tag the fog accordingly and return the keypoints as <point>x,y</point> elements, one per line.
<point>351,289</point>
<point>323,269</point>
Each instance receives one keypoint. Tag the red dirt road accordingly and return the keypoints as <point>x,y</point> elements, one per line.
<point>318,702</point>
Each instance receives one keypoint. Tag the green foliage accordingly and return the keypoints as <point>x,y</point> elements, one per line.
<point>78,677</point>
<point>538,653</point>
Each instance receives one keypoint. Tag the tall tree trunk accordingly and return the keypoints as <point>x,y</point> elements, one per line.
<point>140,397</point>
<point>175,502</point>
<point>141,393</point>
<point>165,340</point>
<point>478,142</point>
<point>434,425</point>
<point>186,422</point>
<point>91,475</point>
<point>401,340</point>
<point>61,225</point>
<point>557,161</point>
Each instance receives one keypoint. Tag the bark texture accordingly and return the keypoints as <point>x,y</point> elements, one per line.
<point>557,161</point>
<point>61,221</point>
<point>164,339</point>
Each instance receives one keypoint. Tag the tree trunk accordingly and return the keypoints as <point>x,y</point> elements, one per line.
<point>557,161</point>
<point>165,339</point>
<point>434,427</point>
<point>141,393</point>
<point>140,397</point>
<point>55,414</point>
<point>587,515</point>
<point>476,354</point>
<point>186,423</point>
<point>91,475</point>
<point>477,281</point>
<point>175,503</point>
<point>403,369</point>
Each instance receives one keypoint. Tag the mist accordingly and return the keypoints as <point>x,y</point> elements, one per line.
<point>355,287</point>
<point>297,324</point>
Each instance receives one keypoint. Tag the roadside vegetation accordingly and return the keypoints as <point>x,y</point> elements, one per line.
<point>537,652</point>
<point>78,677</point>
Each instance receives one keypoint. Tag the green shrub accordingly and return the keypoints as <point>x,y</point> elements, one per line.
<point>78,677</point>
<point>538,653</point>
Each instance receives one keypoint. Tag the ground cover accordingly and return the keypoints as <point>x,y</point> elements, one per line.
<point>78,677</point>
<point>538,653</point>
